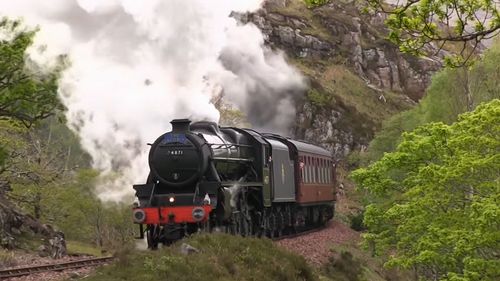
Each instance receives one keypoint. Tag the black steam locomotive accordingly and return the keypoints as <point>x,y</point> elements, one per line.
<point>206,177</point>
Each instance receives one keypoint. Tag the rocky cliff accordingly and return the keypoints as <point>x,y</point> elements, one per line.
<point>357,78</point>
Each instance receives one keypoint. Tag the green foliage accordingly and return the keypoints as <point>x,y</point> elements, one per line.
<point>315,3</point>
<point>40,161</point>
<point>49,178</point>
<point>452,92</point>
<point>7,259</point>
<point>221,257</point>
<point>416,24</point>
<point>43,169</point>
<point>319,99</point>
<point>437,204</point>
<point>77,247</point>
<point>73,207</point>
<point>27,94</point>
<point>357,221</point>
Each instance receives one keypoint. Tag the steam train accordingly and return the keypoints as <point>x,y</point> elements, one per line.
<point>204,178</point>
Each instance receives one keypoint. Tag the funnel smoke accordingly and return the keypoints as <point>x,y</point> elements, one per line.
<point>135,65</point>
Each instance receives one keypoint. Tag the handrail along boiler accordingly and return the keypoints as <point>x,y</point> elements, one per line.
<point>207,177</point>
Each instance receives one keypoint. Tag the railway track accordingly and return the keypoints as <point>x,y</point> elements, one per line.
<point>21,271</point>
<point>298,234</point>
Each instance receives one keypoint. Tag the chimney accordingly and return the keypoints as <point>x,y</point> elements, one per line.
<point>180,125</point>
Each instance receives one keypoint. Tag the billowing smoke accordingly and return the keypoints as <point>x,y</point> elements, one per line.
<point>259,81</point>
<point>135,65</point>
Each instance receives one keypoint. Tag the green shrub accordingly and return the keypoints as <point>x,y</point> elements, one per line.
<point>357,221</point>
<point>7,259</point>
<point>220,257</point>
<point>319,99</point>
<point>315,3</point>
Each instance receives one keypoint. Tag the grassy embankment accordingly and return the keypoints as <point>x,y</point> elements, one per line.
<point>227,257</point>
<point>220,257</point>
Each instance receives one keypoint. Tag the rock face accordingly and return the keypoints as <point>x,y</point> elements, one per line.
<point>14,224</point>
<point>339,29</point>
<point>338,33</point>
<point>324,127</point>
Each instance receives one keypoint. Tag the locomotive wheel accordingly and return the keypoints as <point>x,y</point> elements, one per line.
<point>244,218</point>
<point>244,226</point>
<point>258,225</point>
<point>234,227</point>
<point>323,217</point>
<point>281,223</point>
<point>153,236</point>
<point>271,226</point>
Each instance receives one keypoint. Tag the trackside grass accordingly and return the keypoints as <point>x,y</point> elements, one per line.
<point>220,257</point>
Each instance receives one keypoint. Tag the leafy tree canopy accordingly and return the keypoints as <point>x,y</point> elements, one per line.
<point>437,199</point>
<point>415,24</point>
<point>27,93</point>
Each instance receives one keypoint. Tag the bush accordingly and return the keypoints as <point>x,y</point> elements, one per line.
<point>357,221</point>
<point>319,99</point>
<point>7,259</point>
<point>315,3</point>
<point>220,257</point>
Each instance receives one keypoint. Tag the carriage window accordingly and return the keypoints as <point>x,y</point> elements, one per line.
<point>329,170</point>
<point>311,172</point>
<point>323,174</point>
<point>319,170</point>
<point>315,170</point>
<point>328,167</point>
<point>326,171</point>
<point>320,166</point>
<point>306,169</point>
<point>301,169</point>
<point>309,169</point>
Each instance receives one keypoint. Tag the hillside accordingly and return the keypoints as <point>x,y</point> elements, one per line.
<point>357,78</point>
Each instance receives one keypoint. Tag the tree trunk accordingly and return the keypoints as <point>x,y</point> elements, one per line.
<point>37,204</point>
<point>468,95</point>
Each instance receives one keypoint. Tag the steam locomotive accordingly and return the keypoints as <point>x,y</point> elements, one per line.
<point>204,178</point>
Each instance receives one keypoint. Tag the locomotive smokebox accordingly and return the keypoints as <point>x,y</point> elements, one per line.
<point>178,158</point>
<point>180,125</point>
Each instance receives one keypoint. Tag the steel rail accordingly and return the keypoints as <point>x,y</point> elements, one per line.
<point>28,270</point>
<point>299,233</point>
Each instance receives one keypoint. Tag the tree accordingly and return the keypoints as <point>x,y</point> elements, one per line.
<point>43,157</point>
<point>448,96</point>
<point>27,92</point>
<point>436,206</point>
<point>416,24</point>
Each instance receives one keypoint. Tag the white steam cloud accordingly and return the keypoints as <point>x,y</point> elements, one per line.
<point>136,65</point>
